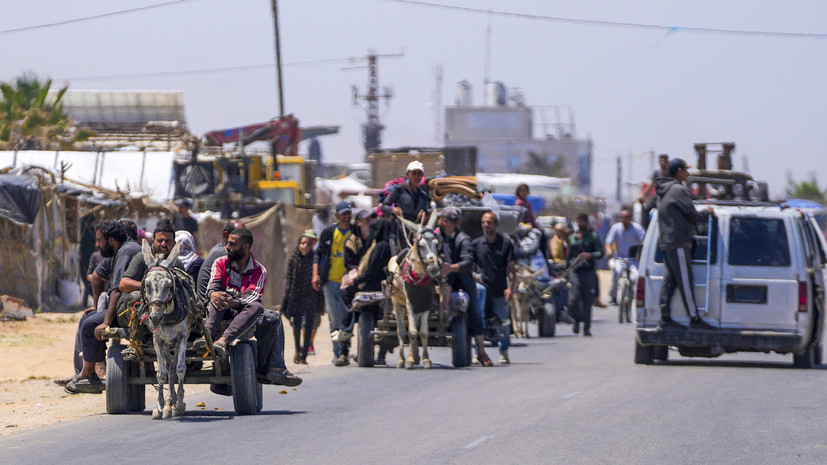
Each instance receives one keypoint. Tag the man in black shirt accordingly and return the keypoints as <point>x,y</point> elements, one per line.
<point>114,243</point>
<point>457,267</point>
<point>494,256</point>
<point>410,200</point>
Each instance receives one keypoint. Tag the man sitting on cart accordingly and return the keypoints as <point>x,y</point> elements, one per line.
<point>234,292</point>
<point>410,200</point>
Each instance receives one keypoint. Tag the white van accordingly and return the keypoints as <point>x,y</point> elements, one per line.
<point>762,287</point>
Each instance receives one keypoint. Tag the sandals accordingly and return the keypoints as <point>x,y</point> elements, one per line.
<point>63,381</point>
<point>91,385</point>
<point>485,361</point>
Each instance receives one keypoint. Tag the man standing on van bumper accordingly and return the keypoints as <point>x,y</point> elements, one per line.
<point>676,218</point>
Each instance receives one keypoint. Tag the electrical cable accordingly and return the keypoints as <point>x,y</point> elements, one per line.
<point>88,18</point>
<point>597,22</point>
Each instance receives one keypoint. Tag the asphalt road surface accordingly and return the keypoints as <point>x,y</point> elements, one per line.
<point>568,399</point>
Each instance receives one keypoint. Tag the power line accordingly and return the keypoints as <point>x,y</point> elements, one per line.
<point>89,18</point>
<point>203,70</point>
<point>597,22</point>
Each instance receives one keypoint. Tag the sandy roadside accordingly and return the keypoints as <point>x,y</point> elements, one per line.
<point>39,349</point>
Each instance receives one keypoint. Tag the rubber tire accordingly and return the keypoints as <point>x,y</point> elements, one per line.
<point>644,355</point>
<point>117,395</point>
<point>806,360</point>
<point>135,393</point>
<point>818,354</point>
<point>547,320</point>
<point>461,343</point>
<point>364,349</point>
<point>246,388</point>
<point>661,353</point>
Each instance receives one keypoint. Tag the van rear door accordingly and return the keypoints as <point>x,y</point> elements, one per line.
<point>759,288</point>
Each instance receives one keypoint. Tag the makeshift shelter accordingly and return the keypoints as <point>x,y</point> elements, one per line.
<point>42,224</point>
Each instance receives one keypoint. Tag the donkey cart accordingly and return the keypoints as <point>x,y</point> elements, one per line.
<point>378,326</point>
<point>236,376</point>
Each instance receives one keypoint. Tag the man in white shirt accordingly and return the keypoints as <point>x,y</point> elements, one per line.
<point>621,236</point>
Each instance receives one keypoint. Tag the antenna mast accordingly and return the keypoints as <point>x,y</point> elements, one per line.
<point>372,129</point>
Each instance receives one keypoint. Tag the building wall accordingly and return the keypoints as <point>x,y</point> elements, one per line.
<point>503,137</point>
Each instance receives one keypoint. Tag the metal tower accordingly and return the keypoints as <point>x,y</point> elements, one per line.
<point>372,129</point>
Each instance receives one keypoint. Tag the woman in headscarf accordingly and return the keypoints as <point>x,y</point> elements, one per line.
<point>301,301</point>
<point>190,261</point>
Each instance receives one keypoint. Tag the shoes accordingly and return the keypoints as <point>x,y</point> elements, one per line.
<point>311,351</point>
<point>669,324</point>
<point>587,332</point>
<point>282,377</point>
<point>380,361</point>
<point>698,323</point>
<point>341,335</point>
<point>220,350</point>
<point>63,381</point>
<point>129,354</point>
<point>342,360</point>
<point>91,385</point>
<point>565,317</point>
<point>504,360</point>
<point>598,303</point>
<point>297,359</point>
<point>612,301</point>
<point>199,346</point>
<point>575,327</point>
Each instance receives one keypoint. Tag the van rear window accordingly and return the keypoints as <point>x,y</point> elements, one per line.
<point>758,242</point>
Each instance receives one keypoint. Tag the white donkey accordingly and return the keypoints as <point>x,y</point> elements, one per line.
<point>170,317</point>
<point>412,289</point>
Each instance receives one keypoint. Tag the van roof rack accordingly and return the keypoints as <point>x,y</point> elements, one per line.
<point>742,203</point>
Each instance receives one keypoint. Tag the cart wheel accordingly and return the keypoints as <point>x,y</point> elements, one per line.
<point>547,320</point>
<point>661,353</point>
<point>806,360</point>
<point>246,388</point>
<point>136,393</point>
<point>461,343</point>
<point>367,320</point>
<point>117,395</point>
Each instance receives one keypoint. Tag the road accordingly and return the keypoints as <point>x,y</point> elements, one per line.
<point>569,399</point>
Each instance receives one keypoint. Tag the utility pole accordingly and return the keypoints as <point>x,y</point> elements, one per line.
<point>278,56</point>
<point>372,129</point>
<point>437,102</point>
<point>619,177</point>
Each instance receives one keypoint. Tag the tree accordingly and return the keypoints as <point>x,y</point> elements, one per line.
<point>30,120</point>
<point>537,164</point>
<point>808,190</point>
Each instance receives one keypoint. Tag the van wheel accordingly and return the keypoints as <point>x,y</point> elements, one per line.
<point>661,353</point>
<point>819,351</point>
<point>644,355</point>
<point>807,359</point>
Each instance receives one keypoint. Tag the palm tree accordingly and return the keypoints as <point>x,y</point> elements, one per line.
<point>537,164</point>
<point>30,120</point>
<point>808,190</point>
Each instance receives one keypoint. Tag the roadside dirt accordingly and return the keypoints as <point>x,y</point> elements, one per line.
<point>39,349</point>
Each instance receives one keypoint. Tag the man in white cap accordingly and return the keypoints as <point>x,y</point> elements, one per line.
<point>410,199</point>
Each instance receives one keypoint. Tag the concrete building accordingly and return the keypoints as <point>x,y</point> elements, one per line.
<point>512,137</point>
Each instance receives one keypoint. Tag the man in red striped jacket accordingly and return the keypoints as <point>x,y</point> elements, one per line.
<point>234,292</point>
<point>236,283</point>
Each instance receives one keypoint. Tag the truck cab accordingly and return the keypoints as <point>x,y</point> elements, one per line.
<point>758,274</point>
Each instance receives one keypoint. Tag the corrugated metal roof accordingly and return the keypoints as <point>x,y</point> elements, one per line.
<point>124,107</point>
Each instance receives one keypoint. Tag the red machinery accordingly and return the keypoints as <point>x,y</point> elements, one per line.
<point>283,133</point>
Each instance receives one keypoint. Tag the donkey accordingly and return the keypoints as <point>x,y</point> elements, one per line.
<point>170,316</point>
<point>412,284</point>
<point>527,296</point>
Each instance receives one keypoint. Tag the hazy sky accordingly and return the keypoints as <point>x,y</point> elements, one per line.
<point>632,89</point>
